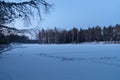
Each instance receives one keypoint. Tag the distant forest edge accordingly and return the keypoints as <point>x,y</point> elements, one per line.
<point>107,34</point>
<point>58,36</point>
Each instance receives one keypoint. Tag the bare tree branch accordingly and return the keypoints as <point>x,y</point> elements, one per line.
<point>9,11</point>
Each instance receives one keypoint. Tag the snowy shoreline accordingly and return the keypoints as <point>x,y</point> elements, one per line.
<point>61,62</point>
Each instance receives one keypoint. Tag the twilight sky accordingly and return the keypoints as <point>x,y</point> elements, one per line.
<point>80,13</point>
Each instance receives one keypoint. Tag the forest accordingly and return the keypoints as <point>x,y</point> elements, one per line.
<point>110,33</point>
<point>62,36</point>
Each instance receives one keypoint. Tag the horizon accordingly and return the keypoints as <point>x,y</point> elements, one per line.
<point>79,14</point>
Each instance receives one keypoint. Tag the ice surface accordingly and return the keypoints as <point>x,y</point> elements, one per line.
<point>61,62</point>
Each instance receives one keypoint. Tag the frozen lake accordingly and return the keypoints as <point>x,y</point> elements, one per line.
<point>61,62</point>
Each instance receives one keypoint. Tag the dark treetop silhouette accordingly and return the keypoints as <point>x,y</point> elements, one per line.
<point>9,11</point>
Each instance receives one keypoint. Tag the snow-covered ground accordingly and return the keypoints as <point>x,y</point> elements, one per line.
<point>61,62</point>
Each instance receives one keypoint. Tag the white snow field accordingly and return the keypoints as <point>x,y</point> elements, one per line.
<point>61,62</point>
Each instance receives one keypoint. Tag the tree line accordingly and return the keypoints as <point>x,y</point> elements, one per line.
<point>97,33</point>
<point>12,39</point>
<point>9,35</point>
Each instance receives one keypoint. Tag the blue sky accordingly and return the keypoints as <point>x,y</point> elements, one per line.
<point>80,13</point>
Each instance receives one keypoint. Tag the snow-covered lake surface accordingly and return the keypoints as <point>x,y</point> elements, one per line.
<point>61,62</point>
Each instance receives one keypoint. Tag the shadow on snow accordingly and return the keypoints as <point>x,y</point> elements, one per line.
<point>102,60</point>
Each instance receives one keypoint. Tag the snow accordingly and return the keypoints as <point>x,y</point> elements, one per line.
<point>61,62</point>
<point>8,31</point>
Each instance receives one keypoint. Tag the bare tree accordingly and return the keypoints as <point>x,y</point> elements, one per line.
<point>9,11</point>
